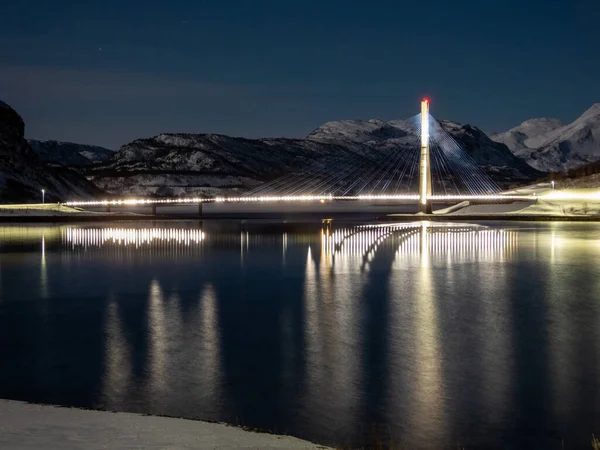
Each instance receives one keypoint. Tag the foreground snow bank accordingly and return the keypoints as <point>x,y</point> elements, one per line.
<point>27,426</point>
<point>46,209</point>
<point>526,208</point>
<point>50,210</point>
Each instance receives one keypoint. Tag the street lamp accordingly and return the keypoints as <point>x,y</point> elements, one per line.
<point>43,195</point>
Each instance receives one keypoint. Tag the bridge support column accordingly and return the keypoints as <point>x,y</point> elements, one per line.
<point>107,208</point>
<point>153,210</point>
<point>425,162</point>
<point>200,209</point>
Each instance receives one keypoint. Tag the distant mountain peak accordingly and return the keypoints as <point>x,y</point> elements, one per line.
<point>358,131</point>
<point>547,123</point>
<point>552,145</point>
<point>594,110</point>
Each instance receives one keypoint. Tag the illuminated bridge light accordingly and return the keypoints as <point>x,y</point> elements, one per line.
<point>318,198</point>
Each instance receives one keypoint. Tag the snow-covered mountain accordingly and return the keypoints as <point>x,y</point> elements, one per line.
<point>528,135</point>
<point>23,174</point>
<point>494,157</point>
<point>550,145</point>
<point>186,164</point>
<point>210,164</point>
<point>360,132</point>
<point>69,153</point>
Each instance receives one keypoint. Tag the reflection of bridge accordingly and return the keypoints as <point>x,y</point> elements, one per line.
<point>356,244</point>
<point>422,239</point>
<point>446,173</point>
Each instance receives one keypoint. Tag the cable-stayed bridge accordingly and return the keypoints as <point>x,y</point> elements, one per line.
<point>423,164</point>
<point>426,162</point>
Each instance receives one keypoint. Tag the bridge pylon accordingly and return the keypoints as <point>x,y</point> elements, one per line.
<point>425,162</point>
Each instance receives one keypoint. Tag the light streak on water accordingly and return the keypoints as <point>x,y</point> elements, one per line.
<point>158,351</point>
<point>117,375</point>
<point>43,272</point>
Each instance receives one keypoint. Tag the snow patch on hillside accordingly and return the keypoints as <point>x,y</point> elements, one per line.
<point>358,131</point>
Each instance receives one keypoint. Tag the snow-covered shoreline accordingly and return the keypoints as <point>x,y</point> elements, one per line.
<point>32,426</point>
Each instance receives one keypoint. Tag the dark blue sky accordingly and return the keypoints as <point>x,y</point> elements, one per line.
<point>281,68</point>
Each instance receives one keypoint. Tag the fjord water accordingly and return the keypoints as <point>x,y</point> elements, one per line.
<point>420,335</point>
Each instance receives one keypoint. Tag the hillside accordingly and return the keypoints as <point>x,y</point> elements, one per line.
<point>69,153</point>
<point>209,164</point>
<point>550,145</point>
<point>23,174</point>
<point>586,176</point>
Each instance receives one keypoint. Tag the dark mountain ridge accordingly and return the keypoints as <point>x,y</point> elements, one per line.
<point>69,153</point>
<point>23,175</point>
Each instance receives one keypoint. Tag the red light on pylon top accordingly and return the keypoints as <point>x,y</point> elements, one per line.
<point>426,100</point>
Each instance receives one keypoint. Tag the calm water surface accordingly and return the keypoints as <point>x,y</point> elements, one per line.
<point>420,335</point>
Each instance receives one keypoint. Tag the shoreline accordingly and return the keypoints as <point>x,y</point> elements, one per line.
<point>296,217</point>
<point>486,217</point>
<point>30,425</point>
<point>522,211</point>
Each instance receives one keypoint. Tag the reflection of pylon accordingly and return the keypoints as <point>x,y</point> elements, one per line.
<point>326,226</point>
<point>425,164</point>
<point>423,246</point>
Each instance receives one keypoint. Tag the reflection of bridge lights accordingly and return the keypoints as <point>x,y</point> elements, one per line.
<point>417,239</point>
<point>97,237</point>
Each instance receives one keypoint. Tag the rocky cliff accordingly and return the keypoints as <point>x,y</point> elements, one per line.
<point>23,175</point>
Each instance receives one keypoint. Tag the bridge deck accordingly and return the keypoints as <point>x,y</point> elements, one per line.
<point>299,198</point>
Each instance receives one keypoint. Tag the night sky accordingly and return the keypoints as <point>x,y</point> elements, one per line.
<point>107,72</point>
